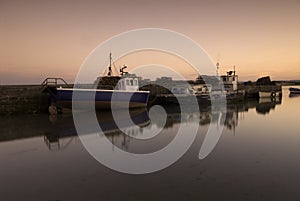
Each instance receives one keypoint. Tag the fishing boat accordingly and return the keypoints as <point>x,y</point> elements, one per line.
<point>204,93</point>
<point>124,94</point>
<point>294,90</point>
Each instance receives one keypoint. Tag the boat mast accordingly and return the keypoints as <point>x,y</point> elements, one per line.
<point>109,68</point>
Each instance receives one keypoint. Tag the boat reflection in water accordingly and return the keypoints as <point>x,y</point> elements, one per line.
<point>60,132</point>
<point>65,130</point>
<point>230,115</point>
<point>267,104</point>
<point>122,136</point>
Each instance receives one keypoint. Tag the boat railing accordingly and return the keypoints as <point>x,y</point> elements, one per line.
<point>54,81</point>
<point>50,84</point>
<point>106,87</point>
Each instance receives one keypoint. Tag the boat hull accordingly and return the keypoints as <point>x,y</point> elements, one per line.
<point>269,94</point>
<point>102,99</point>
<point>294,90</point>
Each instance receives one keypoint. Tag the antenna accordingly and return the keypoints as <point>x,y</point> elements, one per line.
<point>218,64</point>
<point>234,70</point>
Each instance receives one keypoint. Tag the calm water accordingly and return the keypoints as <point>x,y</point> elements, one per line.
<point>256,158</point>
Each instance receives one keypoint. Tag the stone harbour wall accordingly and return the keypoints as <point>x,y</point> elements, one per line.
<point>23,99</point>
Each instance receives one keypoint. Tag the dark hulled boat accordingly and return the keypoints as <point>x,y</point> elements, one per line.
<point>294,90</point>
<point>123,92</point>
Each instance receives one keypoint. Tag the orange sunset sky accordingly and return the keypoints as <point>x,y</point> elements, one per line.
<point>40,38</point>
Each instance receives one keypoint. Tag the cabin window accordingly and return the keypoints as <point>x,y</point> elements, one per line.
<point>135,82</point>
<point>127,82</point>
<point>131,82</point>
<point>233,78</point>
